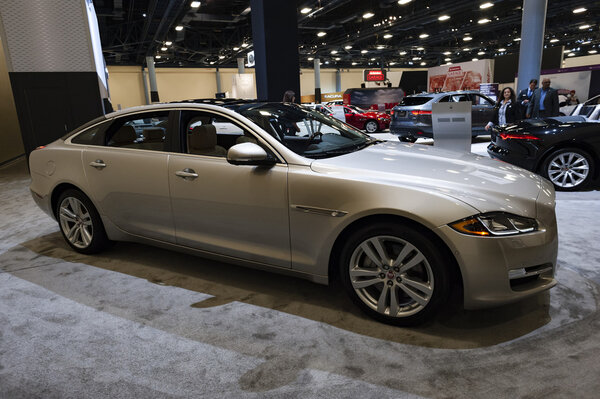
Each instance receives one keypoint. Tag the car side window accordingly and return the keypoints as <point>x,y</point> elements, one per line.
<point>445,99</point>
<point>145,131</point>
<point>481,100</point>
<point>212,134</point>
<point>91,136</point>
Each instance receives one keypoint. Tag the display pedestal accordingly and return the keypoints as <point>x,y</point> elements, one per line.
<point>452,126</point>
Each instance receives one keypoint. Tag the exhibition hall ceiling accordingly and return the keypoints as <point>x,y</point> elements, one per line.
<point>341,33</point>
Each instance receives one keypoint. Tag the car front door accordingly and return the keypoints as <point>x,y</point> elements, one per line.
<point>483,111</point>
<point>127,175</point>
<point>239,211</point>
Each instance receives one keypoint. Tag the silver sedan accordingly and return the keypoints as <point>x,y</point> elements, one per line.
<point>289,189</point>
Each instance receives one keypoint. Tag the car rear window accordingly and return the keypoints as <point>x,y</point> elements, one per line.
<point>415,100</point>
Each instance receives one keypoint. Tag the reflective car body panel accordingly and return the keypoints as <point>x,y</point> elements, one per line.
<point>289,215</point>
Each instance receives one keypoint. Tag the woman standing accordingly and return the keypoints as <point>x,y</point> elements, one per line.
<point>507,109</point>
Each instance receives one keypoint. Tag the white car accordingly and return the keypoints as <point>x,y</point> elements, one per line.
<point>590,109</point>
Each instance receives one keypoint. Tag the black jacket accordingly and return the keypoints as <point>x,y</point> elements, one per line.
<point>550,103</point>
<point>513,113</point>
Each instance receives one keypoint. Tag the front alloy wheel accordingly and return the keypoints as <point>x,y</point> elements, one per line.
<point>371,127</point>
<point>395,274</point>
<point>569,169</point>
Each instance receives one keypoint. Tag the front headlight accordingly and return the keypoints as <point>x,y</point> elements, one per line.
<point>495,224</point>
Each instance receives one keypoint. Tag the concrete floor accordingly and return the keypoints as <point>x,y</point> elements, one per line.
<point>139,321</point>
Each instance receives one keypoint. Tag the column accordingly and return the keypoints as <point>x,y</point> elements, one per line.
<point>532,41</point>
<point>241,67</point>
<point>218,77</point>
<point>152,77</point>
<point>317,63</point>
<point>338,80</point>
<point>275,40</point>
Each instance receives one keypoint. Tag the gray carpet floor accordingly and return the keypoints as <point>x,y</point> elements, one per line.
<point>138,321</point>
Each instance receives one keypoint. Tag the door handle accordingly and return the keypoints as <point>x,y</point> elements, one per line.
<point>98,164</point>
<point>187,173</point>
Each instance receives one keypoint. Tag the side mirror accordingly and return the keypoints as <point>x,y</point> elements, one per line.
<point>249,154</point>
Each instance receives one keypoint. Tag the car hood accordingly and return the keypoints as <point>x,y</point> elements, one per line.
<point>483,183</point>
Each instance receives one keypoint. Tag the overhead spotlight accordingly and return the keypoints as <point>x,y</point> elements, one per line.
<point>448,63</point>
<point>423,35</point>
<point>553,40</point>
<point>364,51</point>
<point>168,43</point>
<point>475,59</point>
<point>337,58</point>
<point>392,63</point>
<point>157,57</point>
<point>402,53</point>
<point>420,48</point>
<point>447,59</point>
<point>354,63</point>
<point>244,45</point>
<point>310,58</point>
<point>423,63</point>
<point>195,4</point>
<point>348,47</point>
<point>486,5</point>
<point>380,47</point>
<point>592,51</point>
<point>221,57</point>
<point>416,58</point>
<point>466,49</point>
<point>481,53</point>
<point>368,15</point>
<point>373,59</point>
<point>483,21</point>
<point>327,62</point>
<point>403,2</point>
<point>236,48</point>
<point>467,38</point>
<point>517,39</point>
<point>501,50</point>
<point>179,28</point>
<point>334,51</point>
<point>443,17</point>
<point>446,53</point>
<point>584,26</point>
<point>579,10</point>
<point>321,34</point>
<point>571,55</point>
<point>388,36</point>
<point>164,48</point>
<point>306,10</point>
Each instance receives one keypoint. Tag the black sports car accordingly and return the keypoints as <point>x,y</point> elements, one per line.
<point>565,150</point>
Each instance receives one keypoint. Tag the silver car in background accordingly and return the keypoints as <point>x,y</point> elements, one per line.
<point>285,188</point>
<point>411,118</point>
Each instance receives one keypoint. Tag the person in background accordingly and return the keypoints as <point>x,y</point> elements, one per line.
<point>507,109</point>
<point>544,102</point>
<point>525,96</point>
<point>572,98</point>
<point>289,96</point>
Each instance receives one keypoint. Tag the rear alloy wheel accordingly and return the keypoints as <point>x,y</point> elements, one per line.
<point>371,126</point>
<point>80,223</point>
<point>394,273</point>
<point>569,169</point>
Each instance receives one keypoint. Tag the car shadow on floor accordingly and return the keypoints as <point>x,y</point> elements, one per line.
<point>453,328</point>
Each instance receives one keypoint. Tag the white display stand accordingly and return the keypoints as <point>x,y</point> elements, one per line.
<point>452,125</point>
<point>243,86</point>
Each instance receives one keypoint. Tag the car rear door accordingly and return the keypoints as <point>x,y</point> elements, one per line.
<point>127,175</point>
<point>235,210</point>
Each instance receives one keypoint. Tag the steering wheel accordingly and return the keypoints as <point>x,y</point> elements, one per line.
<point>313,137</point>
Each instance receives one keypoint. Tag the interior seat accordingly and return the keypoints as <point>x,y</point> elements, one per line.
<point>154,138</point>
<point>245,139</point>
<point>203,141</point>
<point>124,137</point>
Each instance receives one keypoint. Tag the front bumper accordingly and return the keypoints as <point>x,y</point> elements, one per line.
<point>501,270</point>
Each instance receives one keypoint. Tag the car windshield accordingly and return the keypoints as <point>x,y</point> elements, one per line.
<point>305,131</point>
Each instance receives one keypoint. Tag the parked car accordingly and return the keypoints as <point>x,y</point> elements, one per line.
<point>292,190</point>
<point>324,109</point>
<point>590,109</point>
<point>368,120</point>
<point>564,150</point>
<point>412,118</point>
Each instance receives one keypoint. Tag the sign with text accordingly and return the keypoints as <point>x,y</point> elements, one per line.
<point>489,89</point>
<point>374,75</point>
<point>463,76</point>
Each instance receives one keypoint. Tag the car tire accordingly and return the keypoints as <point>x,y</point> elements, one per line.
<point>569,169</point>
<point>371,127</point>
<point>407,139</point>
<point>394,273</point>
<point>80,223</point>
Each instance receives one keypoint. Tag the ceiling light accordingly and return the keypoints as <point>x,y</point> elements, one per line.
<point>373,59</point>
<point>481,53</point>
<point>163,48</point>
<point>392,63</point>
<point>466,49</point>
<point>236,48</point>
<point>580,9</point>
<point>486,5</point>
<point>467,38</point>
<point>157,57</point>
<point>403,2</point>
<point>179,28</point>
<point>403,53</point>
<point>310,58</point>
<point>305,10</point>
<point>388,36</point>
<point>195,4</point>
<point>483,21</point>
<point>168,43</point>
<point>368,15</point>
<point>446,53</point>
<point>244,45</point>
<point>380,47</point>
<point>586,42</point>
<point>416,58</point>
<point>348,47</point>
<point>334,51</point>
<point>501,50</point>
<point>584,26</point>
<point>423,63</point>
<point>593,51</point>
<point>517,39</point>
<point>364,51</point>
<point>221,57</point>
<point>448,63</point>
<point>553,40</point>
<point>338,58</point>
<point>321,34</point>
<point>475,59</point>
<point>354,63</point>
<point>447,59</point>
<point>443,17</point>
<point>423,35</point>
<point>570,54</point>
<point>212,62</point>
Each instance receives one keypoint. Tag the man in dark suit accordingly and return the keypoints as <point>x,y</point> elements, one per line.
<point>544,102</point>
<point>525,96</point>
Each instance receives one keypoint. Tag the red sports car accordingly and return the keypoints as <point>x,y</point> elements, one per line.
<point>369,120</point>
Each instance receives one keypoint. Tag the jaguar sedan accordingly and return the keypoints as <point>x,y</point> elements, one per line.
<point>289,189</point>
